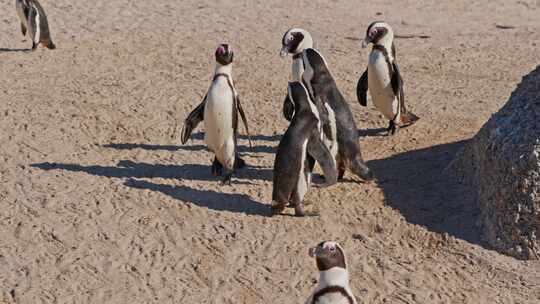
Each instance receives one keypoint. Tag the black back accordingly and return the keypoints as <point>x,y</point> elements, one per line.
<point>290,150</point>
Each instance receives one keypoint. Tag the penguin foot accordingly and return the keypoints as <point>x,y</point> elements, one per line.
<point>239,163</point>
<point>217,168</point>
<point>299,210</point>
<point>392,128</point>
<point>277,208</point>
<point>341,173</point>
<point>361,169</point>
<point>227,179</point>
<point>50,45</point>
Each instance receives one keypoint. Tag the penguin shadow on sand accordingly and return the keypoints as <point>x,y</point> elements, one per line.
<point>9,50</point>
<point>372,132</point>
<point>130,169</point>
<point>260,137</point>
<point>187,147</point>
<point>417,184</point>
<point>238,203</point>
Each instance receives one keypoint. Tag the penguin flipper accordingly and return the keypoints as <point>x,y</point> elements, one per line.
<point>362,88</point>
<point>244,120</point>
<point>320,152</point>
<point>288,108</point>
<point>193,119</point>
<point>407,118</point>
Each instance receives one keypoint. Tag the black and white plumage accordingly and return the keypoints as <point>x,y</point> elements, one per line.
<point>219,110</point>
<point>383,79</point>
<point>339,127</point>
<point>299,147</point>
<point>333,285</point>
<point>34,23</point>
<point>294,42</point>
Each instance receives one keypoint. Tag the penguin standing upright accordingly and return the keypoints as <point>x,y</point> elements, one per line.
<point>333,286</point>
<point>294,42</point>
<point>383,79</point>
<point>219,110</point>
<point>34,22</point>
<point>343,132</point>
<point>292,168</point>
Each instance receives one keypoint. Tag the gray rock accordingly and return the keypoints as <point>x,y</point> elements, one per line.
<point>503,163</point>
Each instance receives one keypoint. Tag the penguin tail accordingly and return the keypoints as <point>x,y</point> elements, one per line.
<point>408,118</point>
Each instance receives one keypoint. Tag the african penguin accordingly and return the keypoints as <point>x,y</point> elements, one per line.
<point>294,41</point>
<point>219,110</point>
<point>333,286</point>
<point>34,22</point>
<point>342,138</point>
<point>292,168</point>
<point>383,79</point>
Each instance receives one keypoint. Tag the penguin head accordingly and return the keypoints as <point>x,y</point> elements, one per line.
<point>379,32</point>
<point>224,54</point>
<point>328,255</point>
<point>294,41</point>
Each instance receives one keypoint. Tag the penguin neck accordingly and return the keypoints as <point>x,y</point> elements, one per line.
<point>386,43</point>
<point>334,276</point>
<point>297,67</point>
<point>223,69</point>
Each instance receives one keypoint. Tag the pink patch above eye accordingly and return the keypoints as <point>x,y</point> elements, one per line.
<point>220,50</point>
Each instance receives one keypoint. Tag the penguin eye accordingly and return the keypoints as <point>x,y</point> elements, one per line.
<point>291,38</point>
<point>332,249</point>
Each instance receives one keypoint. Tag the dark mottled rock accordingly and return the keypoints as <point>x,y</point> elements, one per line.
<point>503,162</point>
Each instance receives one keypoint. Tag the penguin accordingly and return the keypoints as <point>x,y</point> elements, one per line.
<point>383,79</point>
<point>219,109</point>
<point>333,286</point>
<point>34,22</point>
<point>292,168</point>
<point>294,42</point>
<point>343,133</point>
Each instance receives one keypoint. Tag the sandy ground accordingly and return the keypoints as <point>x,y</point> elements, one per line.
<point>101,204</point>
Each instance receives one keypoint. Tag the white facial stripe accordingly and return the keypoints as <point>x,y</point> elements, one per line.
<point>330,245</point>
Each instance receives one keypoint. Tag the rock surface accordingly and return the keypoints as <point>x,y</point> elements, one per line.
<point>503,162</point>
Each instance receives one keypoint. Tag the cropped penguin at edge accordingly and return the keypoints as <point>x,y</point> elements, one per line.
<point>219,109</point>
<point>34,23</point>
<point>333,286</point>
<point>299,147</point>
<point>383,79</point>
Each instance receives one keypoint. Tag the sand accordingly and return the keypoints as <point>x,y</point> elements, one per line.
<point>102,204</point>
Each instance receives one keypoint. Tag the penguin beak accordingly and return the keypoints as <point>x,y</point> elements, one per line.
<point>366,42</point>
<point>284,51</point>
<point>314,251</point>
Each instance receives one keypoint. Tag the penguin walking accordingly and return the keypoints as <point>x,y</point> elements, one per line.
<point>34,22</point>
<point>343,133</point>
<point>333,286</point>
<point>383,79</point>
<point>294,42</point>
<point>292,168</point>
<point>219,110</point>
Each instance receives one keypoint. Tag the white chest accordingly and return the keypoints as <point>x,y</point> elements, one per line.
<point>380,87</point>
<point>297,69</point>
<point>218,113</point>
